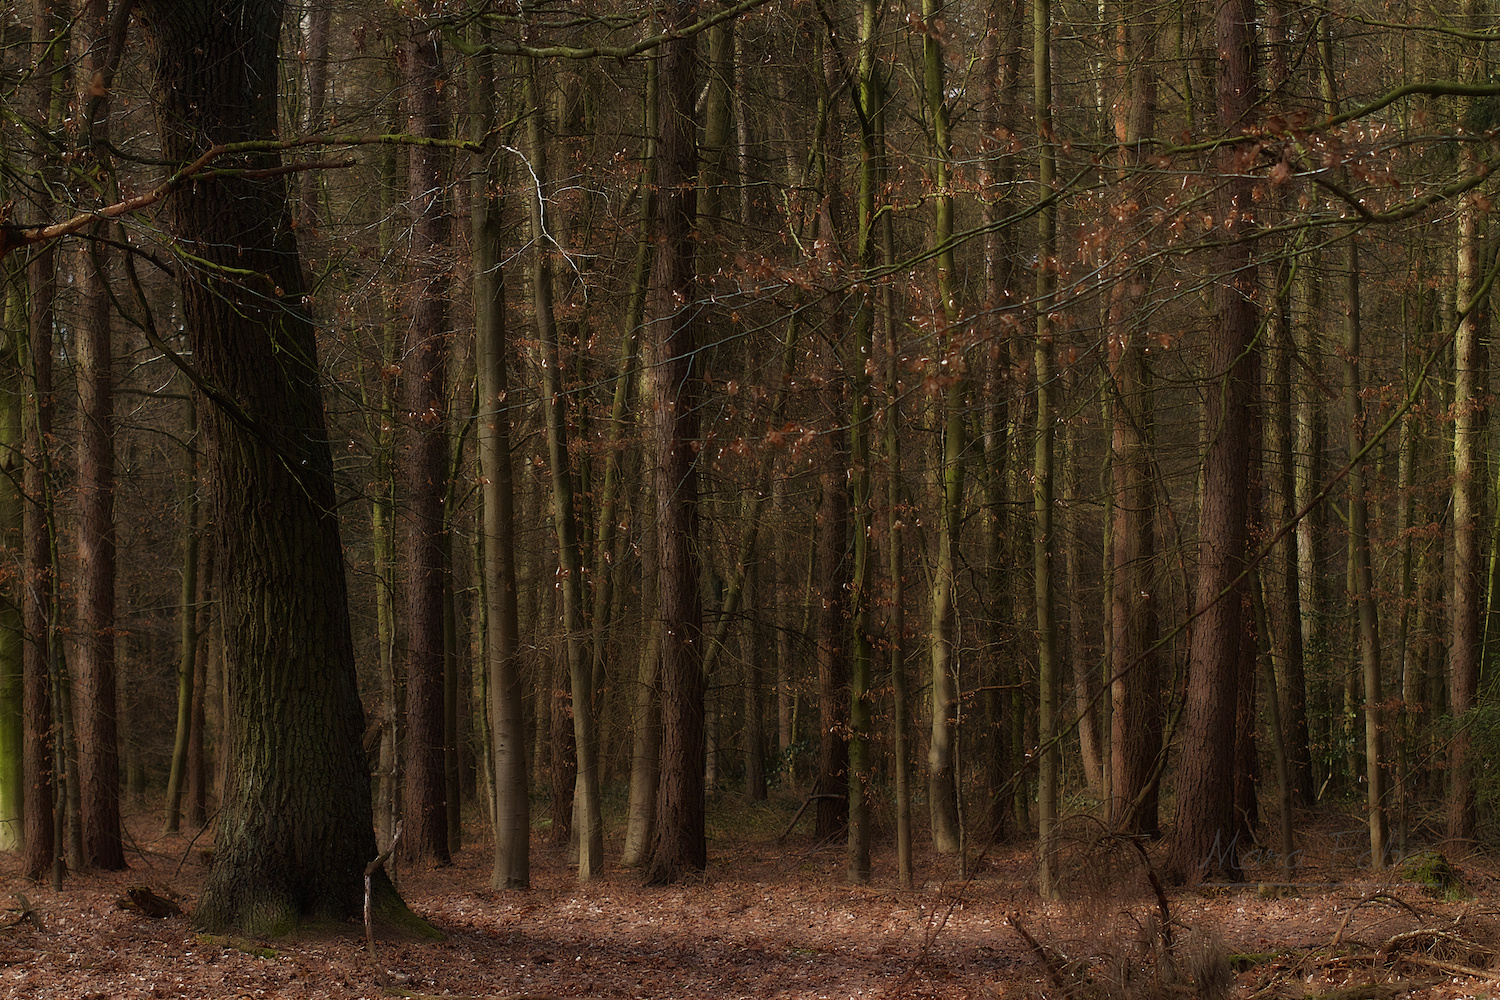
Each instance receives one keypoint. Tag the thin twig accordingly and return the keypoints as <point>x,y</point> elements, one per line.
<point>370,870</point>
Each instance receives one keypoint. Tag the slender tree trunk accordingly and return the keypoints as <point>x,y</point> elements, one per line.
<point>645,715</point>
<point>316,21</point>
<point>187,631</point>
<point>942,776</point>
<point>42,815</point>
<point>1049,770</point>
<point>833,647</point>
<point>423,460</point>
<point>1464,598</point>
<point>1135,680</point>
<point>502,632</point>
<point>587,808</point>
<point>645,703</point>
<point>1359,558</point>
<point>94,667</point>
<point>680,846</point>
<point>861,676</point>
<point>12,594</point>
<point>37,762</point>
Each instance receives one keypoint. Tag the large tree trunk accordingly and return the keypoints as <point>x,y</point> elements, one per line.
<point>295,828</point>
<point>1205,784</point>
<point>680,846</point>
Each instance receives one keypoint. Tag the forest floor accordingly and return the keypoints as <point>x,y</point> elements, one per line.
<point>773,918</point>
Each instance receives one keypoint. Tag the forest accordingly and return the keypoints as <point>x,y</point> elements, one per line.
<point>972,430</point>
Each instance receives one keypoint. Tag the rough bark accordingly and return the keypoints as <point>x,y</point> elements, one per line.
<point>94,658</point>
<point>1203,843</point>
<point>680,847</point>
<point>295,830</point>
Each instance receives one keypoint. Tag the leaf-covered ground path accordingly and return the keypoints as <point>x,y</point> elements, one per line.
<point>773,919</point>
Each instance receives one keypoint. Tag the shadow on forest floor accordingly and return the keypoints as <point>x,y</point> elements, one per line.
<point>774,919</point>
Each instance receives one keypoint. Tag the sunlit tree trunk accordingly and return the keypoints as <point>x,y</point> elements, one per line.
<point>1464,597</point>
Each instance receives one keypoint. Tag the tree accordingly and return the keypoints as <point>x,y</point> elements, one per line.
<point>98,753</point>
<point>502,627</point>
<point>295,830</point>
<point>680,846</point>
<point>1135,682</point>
<point>587,806</point>
<point>1203,839</point>
<point>1049,768</point>
<point>423,463</point>
<point>942,776</point>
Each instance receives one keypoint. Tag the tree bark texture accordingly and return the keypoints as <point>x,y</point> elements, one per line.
<point>680,847</point>
<point>1206,821</point>
<point>295,830</point>
<point>422,465</point>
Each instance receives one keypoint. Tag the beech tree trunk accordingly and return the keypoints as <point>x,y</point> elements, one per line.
<point>502,631</point>
<point>587,807</point>
<point>295,829</point>
<point>942,776</point>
